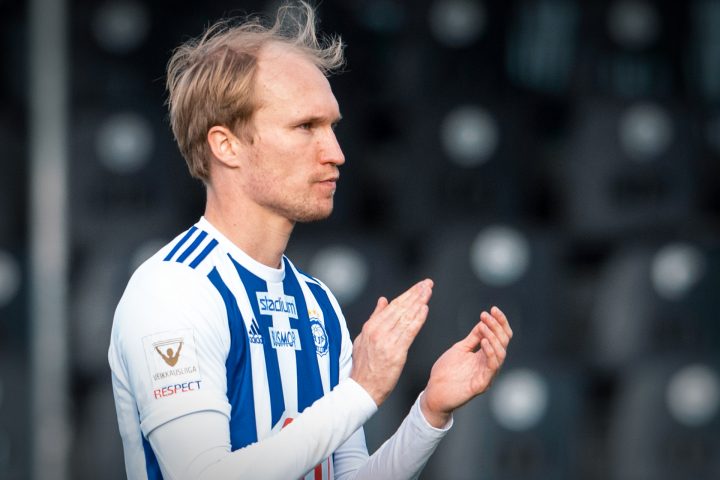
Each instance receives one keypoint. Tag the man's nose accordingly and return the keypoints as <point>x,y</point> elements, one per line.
<point>330,149</point>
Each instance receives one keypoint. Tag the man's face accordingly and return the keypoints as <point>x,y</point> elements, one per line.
<point>293,163</point>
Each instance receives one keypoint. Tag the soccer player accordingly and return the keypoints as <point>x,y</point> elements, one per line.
<point>229,362</point>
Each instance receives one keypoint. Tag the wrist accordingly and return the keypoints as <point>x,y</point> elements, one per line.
<point>435,417</point>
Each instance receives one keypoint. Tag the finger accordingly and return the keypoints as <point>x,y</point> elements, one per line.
<point>490,354</point>
<point>420,291</point>
<point>497,346</point>
<point>495,326</point>
<point>404,307</point>
<point>382,303</point>
<point>502,320</point>
<point>376,315</point>
<point>412,325</point>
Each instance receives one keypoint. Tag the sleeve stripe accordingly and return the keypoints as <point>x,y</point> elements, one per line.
<point>193,246</point>
<point>201,256</point>
<point>180,243</point>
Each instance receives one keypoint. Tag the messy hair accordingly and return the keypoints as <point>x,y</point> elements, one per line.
<point>211,78</point>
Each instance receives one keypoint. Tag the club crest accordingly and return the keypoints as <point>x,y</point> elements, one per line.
<point>320,338</point>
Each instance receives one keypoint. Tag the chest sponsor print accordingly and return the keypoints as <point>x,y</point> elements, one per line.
<point>285,338</point>
<point>270,304</point>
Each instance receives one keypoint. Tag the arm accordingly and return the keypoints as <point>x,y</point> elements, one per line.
<point>460,374</point>
<point>402,456</point>
<point>197,446</point>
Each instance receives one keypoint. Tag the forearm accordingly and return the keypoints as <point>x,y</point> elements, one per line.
<point>290,453</point>
<point>402,457</point>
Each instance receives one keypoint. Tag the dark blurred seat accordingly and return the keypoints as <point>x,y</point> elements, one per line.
<point>629,168</point>
<point>530,425</point>
<point>476,265</point>
<point>653,298</point>
<point>666,420</point>
<point>15,422</point>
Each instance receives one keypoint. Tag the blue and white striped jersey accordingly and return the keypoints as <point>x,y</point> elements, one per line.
<point>202,326</point>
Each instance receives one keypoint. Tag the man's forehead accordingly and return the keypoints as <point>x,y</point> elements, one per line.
<point>277,61</point>
<point>286,73</point>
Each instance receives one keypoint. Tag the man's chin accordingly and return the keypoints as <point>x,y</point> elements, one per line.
<point>314,216</point>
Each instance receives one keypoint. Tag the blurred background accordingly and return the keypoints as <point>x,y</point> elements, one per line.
<point>558,158</point>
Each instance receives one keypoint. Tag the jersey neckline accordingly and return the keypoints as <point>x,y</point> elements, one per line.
<point>261,270</point>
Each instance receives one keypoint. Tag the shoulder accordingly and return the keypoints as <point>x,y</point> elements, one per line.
<point>182,265</point>
<point>164,291</point>
<point>160,279</point>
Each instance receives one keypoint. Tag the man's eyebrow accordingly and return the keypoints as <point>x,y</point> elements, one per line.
<point>320,119</point>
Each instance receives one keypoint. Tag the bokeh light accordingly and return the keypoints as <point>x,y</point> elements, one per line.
<point>520,398</point>
<point>646,131</point>
<point>633,24</point>
<point>457,23</point>
<point>676,269</point>
<point>121,26</point>
<point>693,395</point>
<point>500,255</point>
<point>124,142</point>
<point>343,269</point>
<point>470,135</point>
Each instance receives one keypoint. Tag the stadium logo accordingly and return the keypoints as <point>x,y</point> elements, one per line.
<point>254,333</point>
<point>280,304</point>
<point>285,338</point>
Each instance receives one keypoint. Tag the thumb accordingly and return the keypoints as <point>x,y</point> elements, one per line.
<point>381,304</point>
<point>472,341</point>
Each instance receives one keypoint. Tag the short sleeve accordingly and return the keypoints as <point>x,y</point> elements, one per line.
<point>169,344</point>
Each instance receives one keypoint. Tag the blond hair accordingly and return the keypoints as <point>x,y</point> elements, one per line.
<point>210,79</point>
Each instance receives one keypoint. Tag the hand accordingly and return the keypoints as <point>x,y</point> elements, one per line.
<point>467,369</point>
<point>380,351</point>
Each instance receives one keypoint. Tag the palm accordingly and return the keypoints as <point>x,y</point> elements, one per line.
<point>467,369</point>
<point>462,374</point>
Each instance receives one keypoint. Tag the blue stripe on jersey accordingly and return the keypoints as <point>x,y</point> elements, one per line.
<point>332,328</point>
<point>183,256</point>
<point>180,243</point>
<point>201,256</point>
<point>238,368</point>
<point>254,284</point>
<point>308,371</point>
<point>151,464</point>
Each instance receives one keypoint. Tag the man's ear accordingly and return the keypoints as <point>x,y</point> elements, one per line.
<point>225,146</point>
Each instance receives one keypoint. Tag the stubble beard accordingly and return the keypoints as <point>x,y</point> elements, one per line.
<point>306,208</point>
<point>304,213</point>
<point>302,210</point>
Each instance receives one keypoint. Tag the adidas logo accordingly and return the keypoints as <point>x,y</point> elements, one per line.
<point>254,333</point>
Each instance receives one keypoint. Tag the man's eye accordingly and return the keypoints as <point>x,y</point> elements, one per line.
<point>306,126</point>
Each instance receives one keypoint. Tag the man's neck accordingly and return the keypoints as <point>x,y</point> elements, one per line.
<point>259,233</point>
